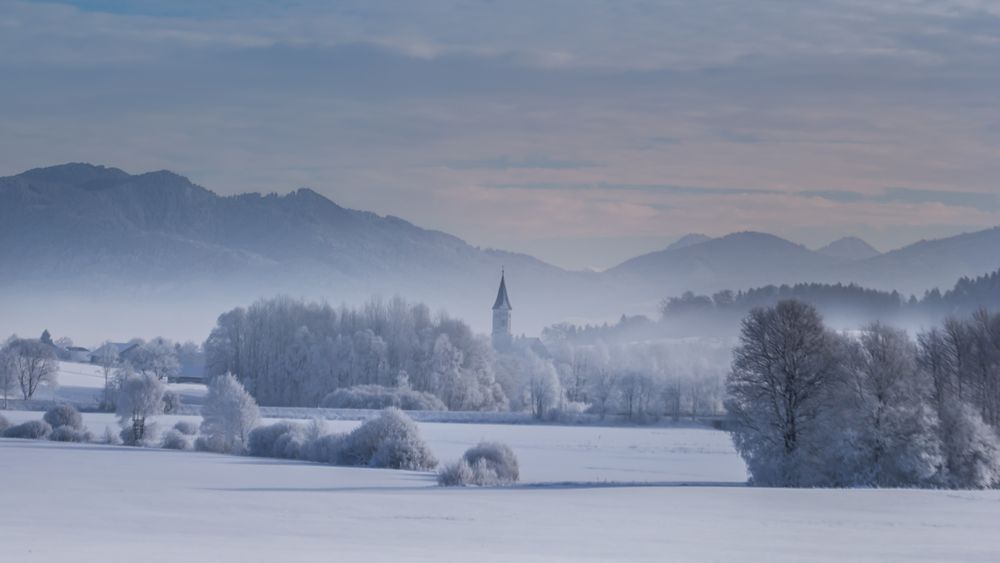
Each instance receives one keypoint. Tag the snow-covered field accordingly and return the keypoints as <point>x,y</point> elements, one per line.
<point>587,493</point>
<point>590,493</point>
<point>83,384</point>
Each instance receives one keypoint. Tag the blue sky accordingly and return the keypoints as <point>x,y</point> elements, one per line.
<point>581,131</point>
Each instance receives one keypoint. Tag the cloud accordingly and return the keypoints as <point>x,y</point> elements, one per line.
<point>509,163</point>
<point>985,201</point>
<point>654,188</point>
<point>978,200</point>
<point>577,118</point>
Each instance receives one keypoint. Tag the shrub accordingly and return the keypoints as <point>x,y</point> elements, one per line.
<point>175,440</point>
<point>281,440</point>
<point>110,437</point>
<point>325,449</point>
<point>403,453</point>
<point>497,457</point>
<point>4,425</point>
<point>376,436</point>
<point>31,430</point>
<point>148,436</point>
<point>186,428</point>
<point>171,402</point>
<point>208,444</point>
<point>390,440</point>
<point>488,464</point>
<point>379,397</point>
<point>70,434</point>
<point>457,474</point>
<point>462,474</point>
<point>64,415</point>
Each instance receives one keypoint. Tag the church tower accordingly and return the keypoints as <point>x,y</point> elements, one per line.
<point>501,318</point>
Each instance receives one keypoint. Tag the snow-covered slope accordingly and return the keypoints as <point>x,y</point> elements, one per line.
<point>83,385</point>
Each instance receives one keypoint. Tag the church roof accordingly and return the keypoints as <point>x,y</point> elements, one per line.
<point>502,302</point>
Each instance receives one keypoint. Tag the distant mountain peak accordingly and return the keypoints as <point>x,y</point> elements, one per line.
<point>849,248</point>
<point>687,240</point>
<point>74,173</point>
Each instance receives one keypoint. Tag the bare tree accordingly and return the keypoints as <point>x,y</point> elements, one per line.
<point>33,363</point>
<point>783,370</point>
<point>107,359</point>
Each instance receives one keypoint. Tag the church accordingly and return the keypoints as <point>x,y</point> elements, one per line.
<point>502,338</point>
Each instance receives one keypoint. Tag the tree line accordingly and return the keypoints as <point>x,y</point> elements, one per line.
<point>875,407</point>
<point>288,352</point>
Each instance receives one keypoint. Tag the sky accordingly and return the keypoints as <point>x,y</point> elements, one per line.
<point>583,132</point>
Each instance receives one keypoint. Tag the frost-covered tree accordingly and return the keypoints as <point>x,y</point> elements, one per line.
<point>543,386</point>
<point>288,352</point>
<point>888,425</point>
<point>228,415</point>
<point>8,377</point>
<point>107,359</point>
<point>33,363</point>
<point>783,373</point>
<point>971,448</point>
<point>140,397</point>
<point>637,391</point>
<point>158,358</point>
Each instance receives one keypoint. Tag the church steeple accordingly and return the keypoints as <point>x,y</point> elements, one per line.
<point>502,302</point>
<point>501,317</point>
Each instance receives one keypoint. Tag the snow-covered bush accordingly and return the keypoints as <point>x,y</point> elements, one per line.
<point>173,439</point>
<point>147,439</point>
<point>457,474</point>
<point>140,397</point>
<point>4,425</point>
<point>228,415</point>
<point>462,474</point>
<point>171,402</point>
<point>390,440</point>
<point>110,437</point>
<point>488,464</point>
<point>64,415</point>
<point>31,430</point>
<point>68,433</point>
<point>281,440</point>
<point>497,457</point>
<point>186,427</point>
<point>380,397</point>
<point>324,449</point>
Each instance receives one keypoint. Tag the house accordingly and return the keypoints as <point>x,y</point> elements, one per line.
<point>77,354</point>
<point>114,351</point>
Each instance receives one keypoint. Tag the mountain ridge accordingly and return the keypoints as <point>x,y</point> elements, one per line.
<point>101,232</point>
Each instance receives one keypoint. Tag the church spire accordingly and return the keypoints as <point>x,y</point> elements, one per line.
<point>501,317</point>
<point>502,301</point>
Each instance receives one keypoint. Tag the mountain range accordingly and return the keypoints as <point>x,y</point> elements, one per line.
<point>159,254</point>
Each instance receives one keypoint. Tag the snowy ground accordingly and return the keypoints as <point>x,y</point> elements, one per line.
<point>83,384</point>
<point>95,503</point>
